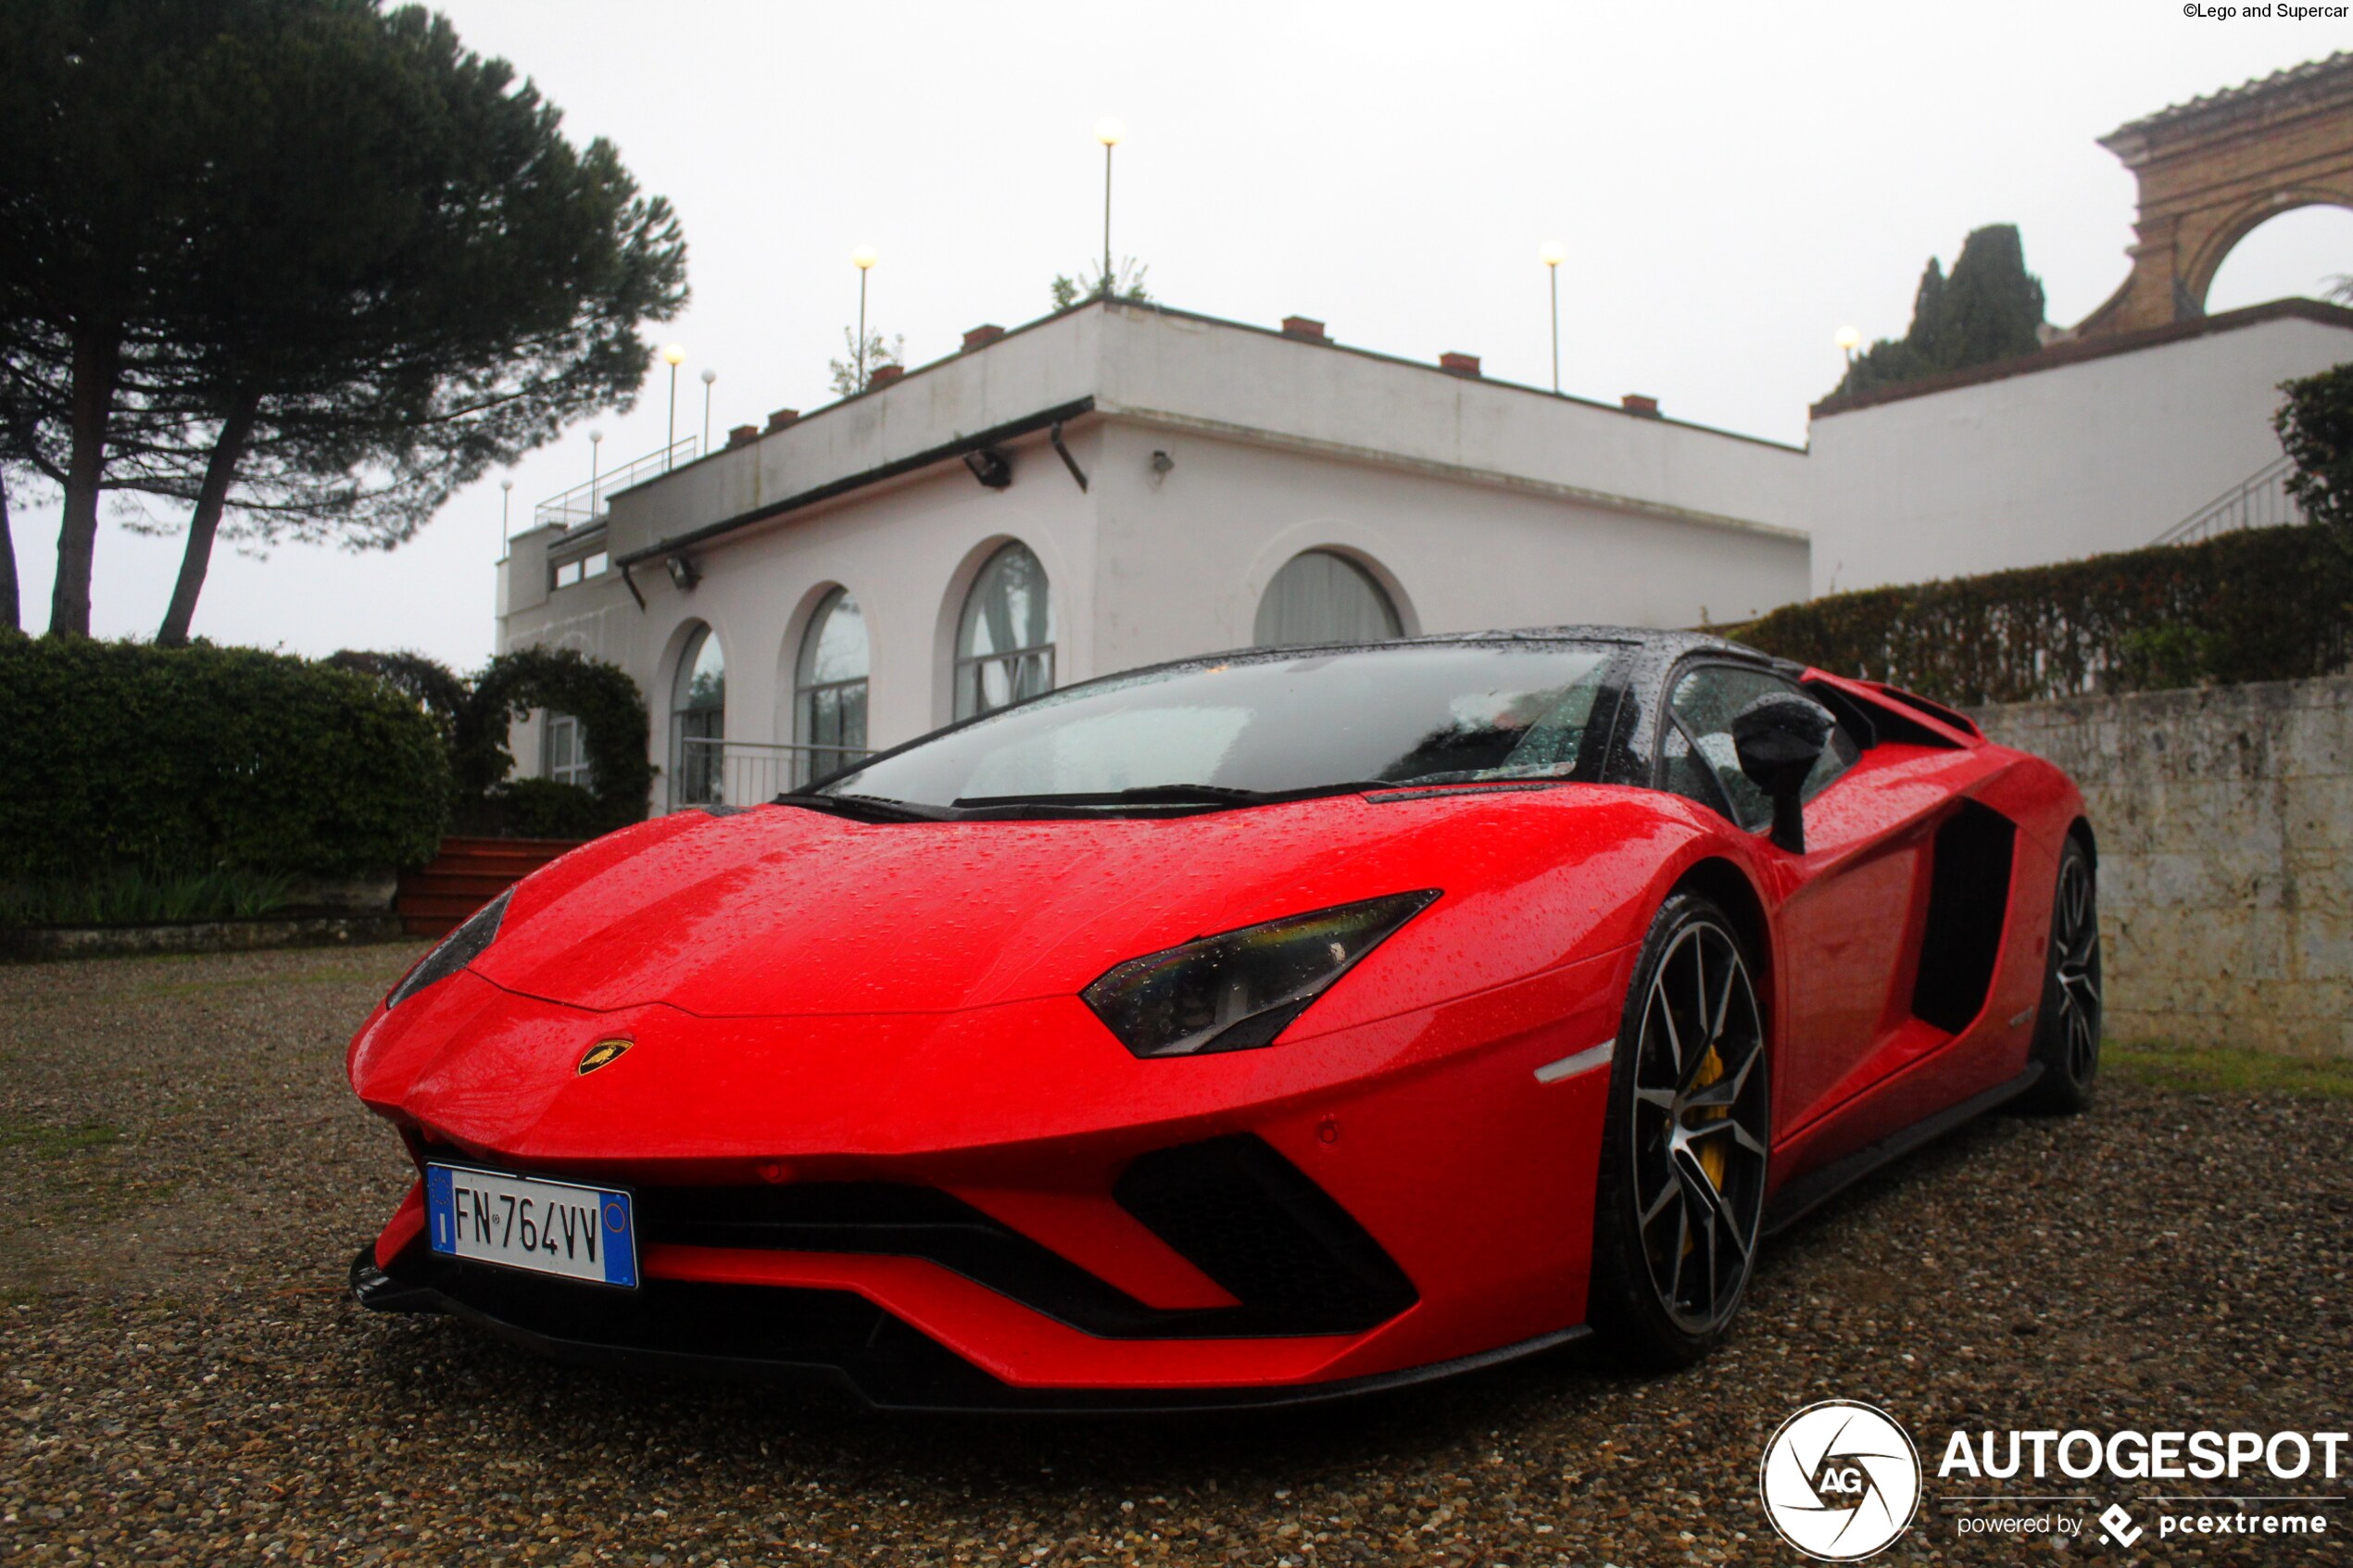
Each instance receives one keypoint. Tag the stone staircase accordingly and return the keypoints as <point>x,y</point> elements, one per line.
<point>468,874</point>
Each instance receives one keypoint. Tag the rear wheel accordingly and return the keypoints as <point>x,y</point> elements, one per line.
<point>1682,1177</point>
<point>2067,1028</point>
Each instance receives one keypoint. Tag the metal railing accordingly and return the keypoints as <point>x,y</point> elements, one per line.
<point>745,772</point>
<point>584,504</point>
<point>2260,501</point>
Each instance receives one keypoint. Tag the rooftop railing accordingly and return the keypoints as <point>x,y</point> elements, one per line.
<point>585,504</point>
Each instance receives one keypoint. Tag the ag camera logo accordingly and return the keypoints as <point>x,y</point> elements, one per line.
<point>1840,1480</point>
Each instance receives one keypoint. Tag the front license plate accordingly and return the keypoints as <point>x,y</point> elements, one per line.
<point>523,1223</point>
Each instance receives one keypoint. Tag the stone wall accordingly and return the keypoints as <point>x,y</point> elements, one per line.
<point>2225,817</point>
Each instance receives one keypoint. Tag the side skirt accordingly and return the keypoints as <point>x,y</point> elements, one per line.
<point>1807,1192</point>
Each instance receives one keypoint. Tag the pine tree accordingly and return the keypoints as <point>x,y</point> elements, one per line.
<point>350,265</point>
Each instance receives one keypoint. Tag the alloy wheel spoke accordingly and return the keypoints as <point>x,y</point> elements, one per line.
<point>1668,1193</point>
<point>2082,1045</point>
<point>1667,1016</point>
<point>1728,1126</point>
<point>1699,994</point>
<point>1724,1093</point>
<point>1714,1274</point>
<point>1723,1003</point>
<point>1719,1216</point>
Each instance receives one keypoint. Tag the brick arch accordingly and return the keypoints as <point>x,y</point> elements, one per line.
<point>2212,170</point>
<point>2208,252</point>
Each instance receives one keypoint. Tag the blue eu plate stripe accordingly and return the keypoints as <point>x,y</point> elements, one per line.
<point>620,1256</point>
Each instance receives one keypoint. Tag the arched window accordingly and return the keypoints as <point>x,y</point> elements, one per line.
<point>1320,597</point>
<point>829,689</point>
<point>699,722</point>
<point>1005,641</point>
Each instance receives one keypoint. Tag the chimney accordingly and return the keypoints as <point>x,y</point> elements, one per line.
<point>883,375</point>
<point>982,336</point>
<point>1635,403</point>
<point>782,417</point>
<point>744,435</point>
<point>1304,327</point>
<point>1459,364</point>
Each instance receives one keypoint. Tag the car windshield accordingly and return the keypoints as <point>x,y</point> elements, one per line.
<point>1265,723</point>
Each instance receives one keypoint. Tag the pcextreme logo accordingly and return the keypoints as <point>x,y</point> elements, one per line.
<point>1840,1480</point>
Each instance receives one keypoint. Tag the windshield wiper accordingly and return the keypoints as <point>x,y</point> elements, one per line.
<point>1144,795</point>
<point>1481,776</point>
<point>860,807</point>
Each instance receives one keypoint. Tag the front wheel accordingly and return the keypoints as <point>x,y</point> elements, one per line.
<point>2066,1029</point>
<point>1683,1150</point>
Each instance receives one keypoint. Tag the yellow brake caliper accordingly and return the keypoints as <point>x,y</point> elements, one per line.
<point>1711,1153</point>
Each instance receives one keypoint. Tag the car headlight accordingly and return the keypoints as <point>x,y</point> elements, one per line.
<point>1237,991</point>
<point>458,949</point>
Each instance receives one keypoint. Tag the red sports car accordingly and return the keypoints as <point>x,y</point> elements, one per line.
<point>1249,1029</point>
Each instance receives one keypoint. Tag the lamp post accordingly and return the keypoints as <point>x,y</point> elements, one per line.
<point>1108,130</point>
<point>863,258</point>
<point>1553,253</point>
<point>672,354</point>
<point>506,498</point>
<point>1848,340</point>
<point>596,469</point>
<point>708,377</point>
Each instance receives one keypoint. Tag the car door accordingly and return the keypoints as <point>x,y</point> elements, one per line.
<point>1846,905</point>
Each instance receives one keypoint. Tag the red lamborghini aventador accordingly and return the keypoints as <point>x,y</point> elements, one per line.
<point>1248,1029</point>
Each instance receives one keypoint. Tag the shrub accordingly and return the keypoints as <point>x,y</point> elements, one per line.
<point>472,717</point>
<point>536,809</point>
<point>2316,428</point>
<point>602,696</point>
<point>2266,604</point>
<point>181,760</point>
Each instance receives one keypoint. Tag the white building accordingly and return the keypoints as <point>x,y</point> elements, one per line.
<point>2098,445</point>
<point>1112,486</point>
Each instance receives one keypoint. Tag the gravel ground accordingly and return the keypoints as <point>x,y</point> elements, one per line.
<point>182,1379</point>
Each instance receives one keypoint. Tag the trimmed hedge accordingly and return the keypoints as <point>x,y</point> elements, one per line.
<point>2268,604</point>
<point>473,717</point>
<point>615,726</point>
<point>204,758</point>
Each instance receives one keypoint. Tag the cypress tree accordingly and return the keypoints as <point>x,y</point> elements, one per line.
<point>1990,307</point>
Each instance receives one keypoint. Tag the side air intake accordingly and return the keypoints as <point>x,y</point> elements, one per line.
<point>1969,899</point>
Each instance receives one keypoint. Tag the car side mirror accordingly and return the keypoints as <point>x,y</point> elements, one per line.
<point>1778,739</point>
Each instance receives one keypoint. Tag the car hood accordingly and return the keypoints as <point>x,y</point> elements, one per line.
<point>783,910</point>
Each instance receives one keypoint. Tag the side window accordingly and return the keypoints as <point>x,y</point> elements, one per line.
<point>1696,747</point>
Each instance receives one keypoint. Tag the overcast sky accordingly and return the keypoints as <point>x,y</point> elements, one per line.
<point>1733,184</point>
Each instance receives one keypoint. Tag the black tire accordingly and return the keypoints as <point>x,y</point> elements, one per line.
<point>1683,1151</point>
<point>2066,1024</point>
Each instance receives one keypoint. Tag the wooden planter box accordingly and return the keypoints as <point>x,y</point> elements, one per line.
<point>465,875</point>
